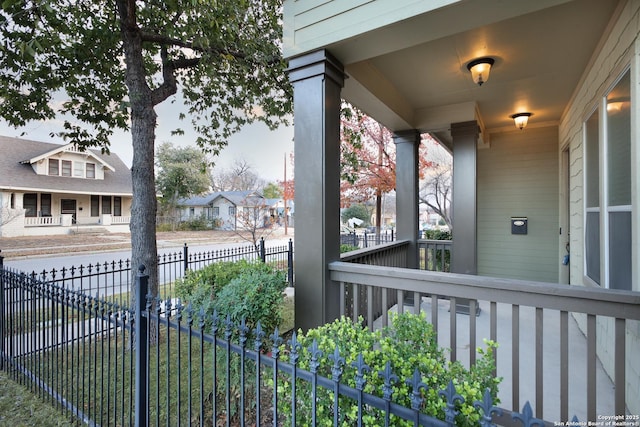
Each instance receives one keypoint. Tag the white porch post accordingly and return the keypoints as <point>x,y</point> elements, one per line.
<point>317,80</point>
<point>464,252</point>
<point>407,189</point>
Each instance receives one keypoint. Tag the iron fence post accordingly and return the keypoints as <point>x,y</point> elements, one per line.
<point>2,313</point>
<point>263,254</point>
<point>290,263</point>
<point>185,255</point>
<point>142,349</point>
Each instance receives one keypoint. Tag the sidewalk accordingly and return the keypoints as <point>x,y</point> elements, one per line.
<point>13,247</point>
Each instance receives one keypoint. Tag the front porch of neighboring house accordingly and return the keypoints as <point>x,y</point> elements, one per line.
<point>38,214</point>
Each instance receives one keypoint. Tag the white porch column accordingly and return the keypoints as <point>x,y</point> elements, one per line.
<point>407,189</point>
<point>464,252</point>
<point>317,81</point>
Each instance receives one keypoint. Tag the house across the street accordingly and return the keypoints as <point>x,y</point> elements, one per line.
<point>48,188</point>
<point>232,210</point>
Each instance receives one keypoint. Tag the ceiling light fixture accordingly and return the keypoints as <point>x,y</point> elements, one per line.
<point>480,69</point>
<point>521,119</point>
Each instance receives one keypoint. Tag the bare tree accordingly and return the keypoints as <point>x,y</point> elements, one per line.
<point>436,186</point>
<point>253,220</point>
<point>240,177</point>
<point>7,215</point>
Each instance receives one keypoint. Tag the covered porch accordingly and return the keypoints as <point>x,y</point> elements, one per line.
<point>554,341</point>
<point>407,66</point>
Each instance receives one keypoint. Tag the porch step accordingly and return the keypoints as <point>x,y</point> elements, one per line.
<point>89,230</point>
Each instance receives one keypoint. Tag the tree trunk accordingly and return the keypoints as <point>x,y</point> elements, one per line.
<point>143,122</point>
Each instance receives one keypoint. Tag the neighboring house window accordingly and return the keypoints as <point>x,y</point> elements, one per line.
<point>106,204</point>
<point>232,211</point>
<point>54,166</point>
<point>192,212</point>
<point>608,248</point>
<point>91,170</point>
<point>95,205</point>
<point>117,206</point>
<point>45,205</point>
<point>30,203</point>
<point>78,169</point>
<point>13,201</point>
<point>216,211</point>
<point>66,168</point>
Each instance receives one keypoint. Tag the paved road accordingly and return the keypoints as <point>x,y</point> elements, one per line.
<point>49,262</point>
<point>106,273</point>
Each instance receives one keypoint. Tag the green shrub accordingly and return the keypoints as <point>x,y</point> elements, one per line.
<point>195,224</point>
<point>240,289</point>
<point>164,227</point>
<point>347,248</point>
<point>435,234</point>
<point>255,295</point>
<point>211,279</point>
<point>408,343</point>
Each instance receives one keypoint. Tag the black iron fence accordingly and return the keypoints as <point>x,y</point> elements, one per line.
<point>158,364</point>
<point>112,280</point>
<point>367,239</point>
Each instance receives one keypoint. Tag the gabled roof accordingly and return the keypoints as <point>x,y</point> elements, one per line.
<point>237,198</point>
<point>241,198</point>
<point>68,148</point>
<point>200,200</point>
<point>17,174</point>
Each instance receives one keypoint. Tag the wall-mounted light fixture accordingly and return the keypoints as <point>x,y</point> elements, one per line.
<point>480,69</point>
<point>521,119</point>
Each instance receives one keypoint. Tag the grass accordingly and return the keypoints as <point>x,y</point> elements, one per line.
<point>24,408</point>
<point>20,407</point>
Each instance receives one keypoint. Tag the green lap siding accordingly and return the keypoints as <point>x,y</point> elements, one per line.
<point>518,177</point>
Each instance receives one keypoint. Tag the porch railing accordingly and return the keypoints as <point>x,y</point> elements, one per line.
<point>389,254</point>
<point>435,255</point>
<point>40,221</point>
<point>120,219</point>
<point>534,324</point>
<point>392,254</point>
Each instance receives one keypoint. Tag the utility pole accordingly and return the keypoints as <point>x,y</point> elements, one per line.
<point>284,194</point>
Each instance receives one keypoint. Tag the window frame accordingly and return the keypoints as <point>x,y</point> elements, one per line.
<point>78,169</point>
<point>31,208</point>
<point>106,205</point>
<point>95,205</point>
<point>45,204</point>
<point>50,169</point>
<point>90,170</point>
<point>66,168</point>
<point>604,208</point>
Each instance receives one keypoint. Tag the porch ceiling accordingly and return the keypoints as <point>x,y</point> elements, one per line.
<point>422,81</point>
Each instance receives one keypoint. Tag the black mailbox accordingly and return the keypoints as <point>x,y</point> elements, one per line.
<point>519,225</point>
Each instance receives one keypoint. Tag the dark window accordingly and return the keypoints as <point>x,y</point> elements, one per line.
<point>54,166</point>
<point>117,206</point>
<point>91,170</point>
<point>45,205</point>
<point>106,204</point>
<point>13,201</point>
<point>95,205</point>
<point>66,168</point>
<point>30,203</point>
<point>232,211</point>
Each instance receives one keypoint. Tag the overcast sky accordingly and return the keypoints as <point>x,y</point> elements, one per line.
<point>263,149</point>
